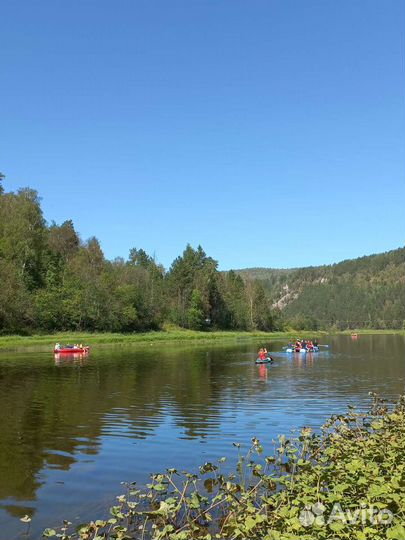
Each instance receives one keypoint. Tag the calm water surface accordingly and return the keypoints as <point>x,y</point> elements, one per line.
<point>72,430</point>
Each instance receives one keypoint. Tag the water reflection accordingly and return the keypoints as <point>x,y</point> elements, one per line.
<point>119,414</point>
<point>263,373</point>
<point>78,359</point>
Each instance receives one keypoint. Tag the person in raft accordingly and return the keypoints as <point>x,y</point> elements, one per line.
<point>262,354</point>
<point>57,346</point>
<point>268,356</point>
<point>298,344</point>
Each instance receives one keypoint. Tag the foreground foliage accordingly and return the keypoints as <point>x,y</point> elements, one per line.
<point>355,461</point>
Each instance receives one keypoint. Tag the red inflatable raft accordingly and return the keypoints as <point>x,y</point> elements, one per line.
<point>71,350</point>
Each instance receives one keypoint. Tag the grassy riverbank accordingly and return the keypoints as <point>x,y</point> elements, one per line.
<point>105,339</point>
<point>170,334</point>
<point>345,482</point>
<point>370,331</point>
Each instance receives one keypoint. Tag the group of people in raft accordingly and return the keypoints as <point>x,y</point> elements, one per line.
<point>75,346</point>
<point>307,344</point>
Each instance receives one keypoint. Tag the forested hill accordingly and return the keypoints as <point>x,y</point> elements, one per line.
<point>364,292</point>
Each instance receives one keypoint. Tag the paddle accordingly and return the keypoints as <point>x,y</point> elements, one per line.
<point>323,345</point>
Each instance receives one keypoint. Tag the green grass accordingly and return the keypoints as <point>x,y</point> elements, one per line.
<point>38,341</point>
<point>169,334</point>
<point>370,331</point>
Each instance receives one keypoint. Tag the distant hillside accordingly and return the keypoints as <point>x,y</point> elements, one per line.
<point>364,292</point>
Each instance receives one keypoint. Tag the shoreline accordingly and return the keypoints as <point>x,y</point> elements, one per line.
<point>40,342</point>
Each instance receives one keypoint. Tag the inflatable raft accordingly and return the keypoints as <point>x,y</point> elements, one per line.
<point>71,350</point>
<point>315,349</point>
<point>268,360</point>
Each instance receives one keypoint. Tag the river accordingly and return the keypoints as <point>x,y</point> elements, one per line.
<point>73,429</point>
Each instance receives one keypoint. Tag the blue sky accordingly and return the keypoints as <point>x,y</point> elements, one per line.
<point>271,132</point>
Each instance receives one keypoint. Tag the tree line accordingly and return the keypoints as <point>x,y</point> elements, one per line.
<point>51,280</point>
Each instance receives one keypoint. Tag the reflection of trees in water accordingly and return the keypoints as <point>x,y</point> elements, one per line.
<point>349,369</point>
<point>50,415</point>
<point>190,386</point>
<point>42,411</point>
<point>369,352</point>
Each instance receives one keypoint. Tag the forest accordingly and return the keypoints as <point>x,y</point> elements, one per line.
<point>51,280</point>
